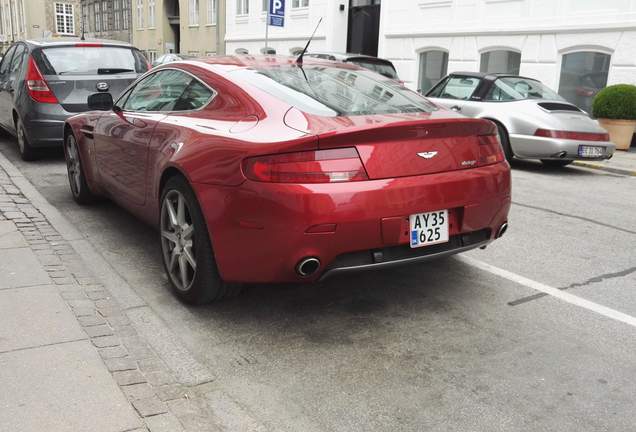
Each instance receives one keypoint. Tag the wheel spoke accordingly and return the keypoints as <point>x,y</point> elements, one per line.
<point>76,178</point>
<point>172,215</point>
<point>170,236</point>
<point>183,270</point>
<point>187,252</point>
<point>173,260</point>
<point>181,211</point>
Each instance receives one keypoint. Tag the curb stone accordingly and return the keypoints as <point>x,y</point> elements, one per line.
<point>128,358</point>
<point>605,168</point>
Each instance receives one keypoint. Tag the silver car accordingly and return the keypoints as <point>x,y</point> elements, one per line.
<point>534,122</point>
<point>42,83</point>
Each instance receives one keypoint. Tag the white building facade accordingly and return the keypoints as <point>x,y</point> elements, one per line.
<point>574,46</point>
<point>245,26</point>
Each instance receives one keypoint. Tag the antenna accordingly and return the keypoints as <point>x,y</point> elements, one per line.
<point>299,60</point>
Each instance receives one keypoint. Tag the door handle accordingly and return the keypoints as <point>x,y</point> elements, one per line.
<point>139,123</point>
<point>456,108</point>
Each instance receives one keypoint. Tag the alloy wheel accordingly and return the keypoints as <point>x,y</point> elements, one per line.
<point>73,165</point>
<point>178,240</point>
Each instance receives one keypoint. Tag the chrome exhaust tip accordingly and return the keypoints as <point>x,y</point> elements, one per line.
<point>308,266</point>
<point>502,229</point>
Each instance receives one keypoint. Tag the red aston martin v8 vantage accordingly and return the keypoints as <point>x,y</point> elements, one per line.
<point>264,169</point>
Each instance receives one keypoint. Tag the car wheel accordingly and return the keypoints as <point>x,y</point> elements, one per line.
<point>76,179</point>
<point>555,163</point>
<point>27,152</point>
<point>187,252</point>
<point>505,142</point>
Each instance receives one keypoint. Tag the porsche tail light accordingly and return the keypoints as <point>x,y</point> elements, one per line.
<point>319,166</point>
<point>36,84</point>
<point>490,150</point>
<point>579,136</point>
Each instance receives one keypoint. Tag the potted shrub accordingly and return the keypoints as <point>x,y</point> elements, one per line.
<point>615,109</point>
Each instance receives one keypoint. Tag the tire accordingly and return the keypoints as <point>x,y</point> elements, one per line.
<point>185,239</point>
<point>505,142</point>
<point>555,163</point>
<point>74,167</point>
<point>27,152</point>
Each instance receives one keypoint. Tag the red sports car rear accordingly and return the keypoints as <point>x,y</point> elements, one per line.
<point>296,173</point>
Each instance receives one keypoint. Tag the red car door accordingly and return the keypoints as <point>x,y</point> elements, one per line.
<point>122,136</point>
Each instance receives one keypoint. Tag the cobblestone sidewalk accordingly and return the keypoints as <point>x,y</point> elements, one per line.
<point>70,359</point>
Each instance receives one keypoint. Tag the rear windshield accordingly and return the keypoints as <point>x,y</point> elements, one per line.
<point>101,60</point>
<point>334,91</point>
<point>385,69</point>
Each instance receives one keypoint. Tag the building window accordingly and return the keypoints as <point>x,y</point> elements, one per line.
<point>64,18</point>
<point>194,12</point>
<point>98,17</point>
<point>140,14</point>
<point>265,5</point>
<point>433,67</point>
<point>105,22</point>
<point>117,15</point>
<point>500,61</point>
<point>242,7</point>
<point>300,3</point>
<point>583,74</point>
<point>151,13</point>
<point>212,11</point>
<point>125,18</point>
<point>22,17</point>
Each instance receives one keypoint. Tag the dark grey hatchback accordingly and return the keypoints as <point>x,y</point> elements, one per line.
<point>42,83</point>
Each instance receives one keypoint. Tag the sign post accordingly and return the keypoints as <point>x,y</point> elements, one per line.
<point>275,17</point>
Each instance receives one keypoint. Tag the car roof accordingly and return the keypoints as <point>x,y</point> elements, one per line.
<point>489,76</point>
<point>263,61</point>
<point>36,43</point>
<point>347,56</point>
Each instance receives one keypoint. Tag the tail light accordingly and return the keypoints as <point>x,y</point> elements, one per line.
<point>579,136</point>
<point>320,166</point>
<point>37,86</point>
<point>490,150</point>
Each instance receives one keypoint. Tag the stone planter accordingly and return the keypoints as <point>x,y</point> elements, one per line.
<point>620,131</point>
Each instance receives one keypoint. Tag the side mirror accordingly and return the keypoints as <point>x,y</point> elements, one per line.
<point>100,102</point>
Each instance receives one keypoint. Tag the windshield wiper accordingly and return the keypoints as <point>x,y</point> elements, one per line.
<point>106,71</point>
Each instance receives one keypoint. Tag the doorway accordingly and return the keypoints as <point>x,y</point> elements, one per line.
<point>364,27</point>
<point>172,12</point>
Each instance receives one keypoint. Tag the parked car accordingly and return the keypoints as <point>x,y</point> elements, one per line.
<point>171,57</point>
<point>44,83</point>
<point>256,170</point>
<point>534,122</point>
<point>379,65</point>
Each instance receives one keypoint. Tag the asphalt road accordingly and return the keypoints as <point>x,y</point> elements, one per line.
<point>446,346</point>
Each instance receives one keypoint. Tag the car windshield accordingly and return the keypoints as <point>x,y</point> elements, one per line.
<point>382,68</point>
<point>517,88</point>
<point>334,91</point>
<point>95,60</point>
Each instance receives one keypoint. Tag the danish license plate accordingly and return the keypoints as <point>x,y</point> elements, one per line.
<point>591,151</point>
<point>428,228</point>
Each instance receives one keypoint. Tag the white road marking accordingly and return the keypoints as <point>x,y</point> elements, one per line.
<point>554,292</point>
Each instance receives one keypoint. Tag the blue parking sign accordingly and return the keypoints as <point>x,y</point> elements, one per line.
<point>277,13</point>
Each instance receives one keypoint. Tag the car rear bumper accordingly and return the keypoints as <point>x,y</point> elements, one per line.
<point>44,124</point>
<point>261,231</point>
<point>534,147</point>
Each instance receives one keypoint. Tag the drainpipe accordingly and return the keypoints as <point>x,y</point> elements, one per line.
<point>218,26</point>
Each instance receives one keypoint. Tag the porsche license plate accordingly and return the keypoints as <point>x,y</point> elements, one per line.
<point>591,151</point>
<point>428,228</point>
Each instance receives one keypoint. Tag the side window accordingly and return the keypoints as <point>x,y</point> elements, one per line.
<point>6,60</point>
<point>17,62</point>
<point>460,88</point>
<point>195,96</point>
<point>157,92</point>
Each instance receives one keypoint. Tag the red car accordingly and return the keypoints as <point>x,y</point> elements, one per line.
<point>264,170</point>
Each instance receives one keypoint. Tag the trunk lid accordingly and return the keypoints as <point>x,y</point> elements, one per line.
<point>75,71</point>
<point>407,145</point>
<point>72,91</point>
